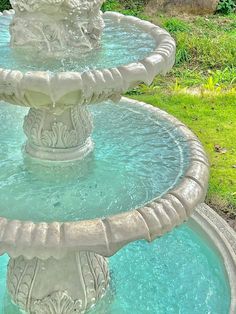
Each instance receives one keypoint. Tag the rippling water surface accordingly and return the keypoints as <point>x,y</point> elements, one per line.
<point>176,274</point>
<point>137,157</point>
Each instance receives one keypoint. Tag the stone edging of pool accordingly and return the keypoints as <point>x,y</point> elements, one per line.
<point>222,237</point>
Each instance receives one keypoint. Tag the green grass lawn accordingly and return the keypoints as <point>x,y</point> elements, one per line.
<point>213,119</point>
<point>201,92</point>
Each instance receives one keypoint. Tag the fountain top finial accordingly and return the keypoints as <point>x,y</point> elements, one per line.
<point>56,26</point>
<point>43,5</point>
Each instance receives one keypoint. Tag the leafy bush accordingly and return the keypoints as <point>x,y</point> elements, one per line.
<point>4,5</point>
<point>209,53</point>
<point>226,6</point>
<point>131,7</point>
<point>111,5</point>
<point>174,25</point>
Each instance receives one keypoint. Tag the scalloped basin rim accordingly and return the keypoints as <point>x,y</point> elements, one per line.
<point>65,89</point>
<point>106,236</point>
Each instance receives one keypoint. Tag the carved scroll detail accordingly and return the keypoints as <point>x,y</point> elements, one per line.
<point>66,131</point>
<point>57,303</point>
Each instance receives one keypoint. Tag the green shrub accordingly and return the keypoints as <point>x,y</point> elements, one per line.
<point>182,55</point>
<point>111,5</point>
<point>174,25</point>
<point>226,6</point>
<point>131,7</point>
<point>4,5</point>
<point>207,52</point>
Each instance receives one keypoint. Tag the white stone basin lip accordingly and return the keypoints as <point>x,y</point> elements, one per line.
<point>222,238</point>
<point>63,89</point>
<point>106,236</point>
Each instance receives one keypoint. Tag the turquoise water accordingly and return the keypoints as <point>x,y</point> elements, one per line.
<point>137,157</point>
<point>121,44</point>
<point>176,274</point>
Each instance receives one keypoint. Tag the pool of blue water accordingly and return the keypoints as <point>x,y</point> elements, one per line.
<point>138,156</point>
<point>176,274</point>
<point>121,44</point>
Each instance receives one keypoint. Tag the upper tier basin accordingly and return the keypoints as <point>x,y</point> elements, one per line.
<point>131,51</point>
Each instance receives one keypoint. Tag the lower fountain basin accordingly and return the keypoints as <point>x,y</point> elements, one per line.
<point>146,175</point>
<point>179,273</point>
<point>162,149</point>
<point>138,154</point>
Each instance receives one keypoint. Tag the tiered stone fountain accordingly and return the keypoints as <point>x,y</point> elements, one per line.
<point>61,267</point>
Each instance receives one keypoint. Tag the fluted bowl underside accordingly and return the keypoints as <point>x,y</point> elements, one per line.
<point>131,51</point>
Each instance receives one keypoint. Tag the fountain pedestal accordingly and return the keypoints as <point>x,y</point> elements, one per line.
<point>58,137</point>
<point>58,128</point>
<point>72,284</point>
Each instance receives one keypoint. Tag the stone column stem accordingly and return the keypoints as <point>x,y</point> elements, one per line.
<point>70,285</point>
<point>56,137</point>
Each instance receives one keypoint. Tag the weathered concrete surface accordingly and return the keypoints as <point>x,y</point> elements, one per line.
<point>183,6</point>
